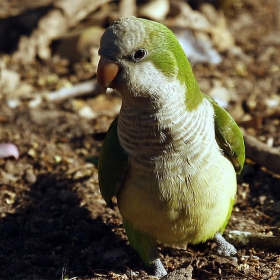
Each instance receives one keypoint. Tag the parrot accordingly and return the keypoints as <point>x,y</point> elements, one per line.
<point>171,155</point>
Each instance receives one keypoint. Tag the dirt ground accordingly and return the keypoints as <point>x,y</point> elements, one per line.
<point>54,223</point>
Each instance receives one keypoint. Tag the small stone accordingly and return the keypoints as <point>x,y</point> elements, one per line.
<point>31,152</point>
<point>155,9</point>
<point>221,95</point>
<point>57,159</point>
<point>30,177</point>
<point>87,112</point>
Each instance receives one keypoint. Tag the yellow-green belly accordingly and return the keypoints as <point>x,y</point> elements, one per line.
<point>180,209</point>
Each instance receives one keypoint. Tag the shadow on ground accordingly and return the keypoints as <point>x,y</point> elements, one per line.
<point>50,233</point>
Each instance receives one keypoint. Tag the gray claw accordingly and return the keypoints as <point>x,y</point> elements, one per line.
<point>224,248</point>
<point>158,268</point>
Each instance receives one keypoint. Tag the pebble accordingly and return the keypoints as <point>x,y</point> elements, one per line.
<point>30,177</point>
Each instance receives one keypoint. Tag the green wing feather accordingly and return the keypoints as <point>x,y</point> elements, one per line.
<point>228,136</point>
<point>112,165</point>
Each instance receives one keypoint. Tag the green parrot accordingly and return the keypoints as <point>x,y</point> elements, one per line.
<point>172,154</point>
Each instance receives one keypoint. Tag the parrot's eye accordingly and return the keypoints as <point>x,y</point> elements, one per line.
<point>139,54</point>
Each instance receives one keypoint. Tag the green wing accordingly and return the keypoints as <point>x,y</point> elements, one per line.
<point>228,136</point>
<point>112,164</point>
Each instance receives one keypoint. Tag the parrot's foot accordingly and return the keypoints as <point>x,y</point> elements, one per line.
<point>158,268</point>
<point>224,248</point>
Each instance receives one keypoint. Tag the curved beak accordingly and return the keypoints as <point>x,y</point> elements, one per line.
<point>107,71</point>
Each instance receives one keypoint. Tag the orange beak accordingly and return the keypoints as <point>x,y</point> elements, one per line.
<point>107,71</point>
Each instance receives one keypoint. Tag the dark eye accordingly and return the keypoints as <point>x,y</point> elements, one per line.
<point>139,54</point>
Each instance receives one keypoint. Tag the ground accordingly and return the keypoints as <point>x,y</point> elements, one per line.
<point>54,223</point>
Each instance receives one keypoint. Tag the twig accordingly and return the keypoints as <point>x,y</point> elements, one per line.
<point>83,89</point>
<point>255,240</point>
<point>88,88</point>
<point>262,214</point>
<point>262,154</point>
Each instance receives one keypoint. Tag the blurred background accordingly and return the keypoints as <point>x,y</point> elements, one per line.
<point>53,221</point>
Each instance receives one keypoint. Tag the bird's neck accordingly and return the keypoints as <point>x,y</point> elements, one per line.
<point>162,132</point>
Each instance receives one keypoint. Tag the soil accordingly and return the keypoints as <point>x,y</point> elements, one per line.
<point>54,223</point>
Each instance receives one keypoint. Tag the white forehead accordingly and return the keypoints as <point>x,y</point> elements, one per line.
<point>124,34</point>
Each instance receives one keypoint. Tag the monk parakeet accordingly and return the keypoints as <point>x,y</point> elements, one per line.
<point>172,154</point>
